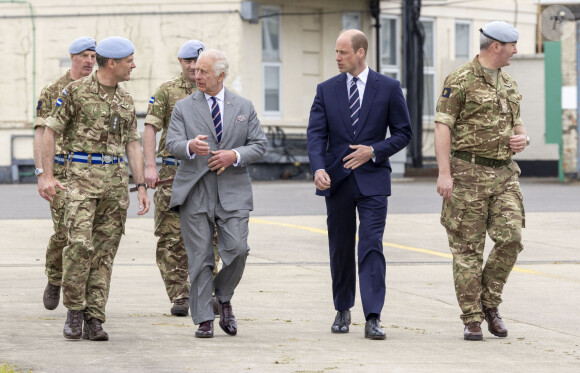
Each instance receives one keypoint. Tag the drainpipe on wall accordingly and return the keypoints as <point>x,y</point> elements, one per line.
<point>375,8</point>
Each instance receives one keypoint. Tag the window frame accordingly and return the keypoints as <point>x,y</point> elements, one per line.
<point>469,41</point>
<point>386,68</point>
<point>272,62</point>
<point>430,70</point>
<point>356,15</point>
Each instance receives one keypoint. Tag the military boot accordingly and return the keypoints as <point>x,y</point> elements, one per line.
<point>73,327</point>
<point>93,330</point>
<point>180,307</point>
<point>51,296</point>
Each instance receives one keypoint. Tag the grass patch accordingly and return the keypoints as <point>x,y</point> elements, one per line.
<point>9,368</point>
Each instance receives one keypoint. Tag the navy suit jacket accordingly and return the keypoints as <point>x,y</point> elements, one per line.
<point>330,131</point>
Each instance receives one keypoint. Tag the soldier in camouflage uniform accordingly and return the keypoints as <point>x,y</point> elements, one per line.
<point>171,256</point>
<point>82,55</point>
<point>97,119</point>
<point>477,130</point>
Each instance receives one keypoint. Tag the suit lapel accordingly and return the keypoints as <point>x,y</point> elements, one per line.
<point>342,99</point>
<point>228,114</point>
<point>201,106</point>
<point>368,98</point>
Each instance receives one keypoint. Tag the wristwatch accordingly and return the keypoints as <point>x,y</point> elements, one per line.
<point>527,140</point>
<point>38,171</point>
<point>373,151</point>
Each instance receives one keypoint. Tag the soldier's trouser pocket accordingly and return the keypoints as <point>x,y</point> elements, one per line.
<point>465,220</point>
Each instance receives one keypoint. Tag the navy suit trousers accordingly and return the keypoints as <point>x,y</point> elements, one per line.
<point>342,207</point>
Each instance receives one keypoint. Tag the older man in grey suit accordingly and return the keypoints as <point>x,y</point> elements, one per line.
<point>212,185</point>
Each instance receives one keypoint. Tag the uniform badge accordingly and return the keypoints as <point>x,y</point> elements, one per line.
<point>39,105</point>
<point>64,92</point>
<point>446,92</point>
<point>152,100</point>
<point>58,102</point>
<point>115,123</point>
<point>124,106</point>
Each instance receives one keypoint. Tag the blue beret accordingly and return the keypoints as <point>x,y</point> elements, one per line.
<point>191,49</point>
<point>500,31</point>
<point>115,47</point>
<point>84,43</point>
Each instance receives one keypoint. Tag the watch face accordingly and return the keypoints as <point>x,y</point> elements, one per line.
<point>38,171</point>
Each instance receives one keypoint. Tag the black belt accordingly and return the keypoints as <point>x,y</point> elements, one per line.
<point>482,161</point>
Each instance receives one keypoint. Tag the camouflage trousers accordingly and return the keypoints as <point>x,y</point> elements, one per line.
<point>171,256</point>
<point>97,199</point>
<point>57,242</point>
<point>484,199</point>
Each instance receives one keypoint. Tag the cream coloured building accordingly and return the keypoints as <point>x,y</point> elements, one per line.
<point>278,51</point>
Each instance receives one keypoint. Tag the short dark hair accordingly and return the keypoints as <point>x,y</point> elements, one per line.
<point>358,41</point>
<point>102,61</point>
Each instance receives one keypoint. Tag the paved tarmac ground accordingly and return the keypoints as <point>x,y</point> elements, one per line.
<point>284,302</point>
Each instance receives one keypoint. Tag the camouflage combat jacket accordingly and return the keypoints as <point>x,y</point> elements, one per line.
<point>481,115</point>
<point>89,123</point>
<point>161,106</point>
<point>46,102</point>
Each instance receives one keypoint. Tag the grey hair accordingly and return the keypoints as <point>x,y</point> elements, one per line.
<point>220,61</point>
<point>485,42</point>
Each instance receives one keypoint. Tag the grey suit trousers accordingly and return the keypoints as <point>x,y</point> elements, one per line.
<point>197,216</point>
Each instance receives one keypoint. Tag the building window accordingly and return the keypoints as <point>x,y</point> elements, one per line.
<point>271,61</point>
<point>428,70</point>
<point>351,20</point>
<point>462,39</point>
<point>271,79</point>
<point>390,46</point>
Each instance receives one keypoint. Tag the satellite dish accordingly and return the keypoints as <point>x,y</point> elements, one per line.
<point>557,22</point>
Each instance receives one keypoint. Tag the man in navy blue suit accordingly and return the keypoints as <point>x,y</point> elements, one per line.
<point>349,156</point>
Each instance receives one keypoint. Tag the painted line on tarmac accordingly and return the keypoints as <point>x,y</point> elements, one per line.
<point>404,247</point>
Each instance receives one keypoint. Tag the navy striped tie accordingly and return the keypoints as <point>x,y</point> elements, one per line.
<point>354,103</point>
<point>217,119</point>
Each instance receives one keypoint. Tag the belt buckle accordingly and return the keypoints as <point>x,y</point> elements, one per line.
<point>107,158</point>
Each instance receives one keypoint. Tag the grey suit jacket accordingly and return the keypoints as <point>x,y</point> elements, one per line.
<point>241,131</point>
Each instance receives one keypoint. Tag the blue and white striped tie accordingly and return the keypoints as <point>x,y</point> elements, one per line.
<point>217,119</point>
<point>354,103</point>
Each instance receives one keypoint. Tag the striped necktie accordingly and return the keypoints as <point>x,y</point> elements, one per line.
<point>217,119</point>
<point>354,103</point>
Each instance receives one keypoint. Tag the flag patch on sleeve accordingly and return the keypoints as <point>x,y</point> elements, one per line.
<point>446,92</point>
<point>152,100</point>
<point>58,102</point>
<point>39,105</point>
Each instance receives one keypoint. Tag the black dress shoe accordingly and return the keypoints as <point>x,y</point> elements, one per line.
<point>373,329</point>
<point>205,330</point>
<point>341,322</point>
<point>227,319</point>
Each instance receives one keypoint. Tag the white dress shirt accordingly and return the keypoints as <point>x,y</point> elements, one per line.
<point>220,101</point>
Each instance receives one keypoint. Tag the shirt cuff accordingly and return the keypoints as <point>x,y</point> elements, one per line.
<point>189,155</point>
<point>238,159</point>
